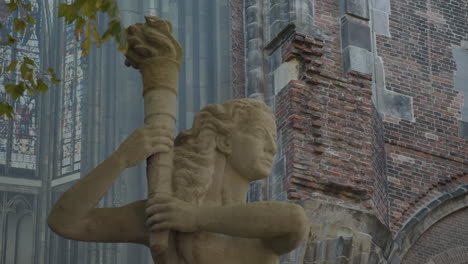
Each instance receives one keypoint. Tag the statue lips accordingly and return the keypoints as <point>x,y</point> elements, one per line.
<point>268,161</point>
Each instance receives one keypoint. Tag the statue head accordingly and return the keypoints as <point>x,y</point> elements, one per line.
<point>242,130</point>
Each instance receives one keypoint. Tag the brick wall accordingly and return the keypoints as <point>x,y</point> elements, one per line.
<point>325,126</point>
<point>426,155</point>
<point>449,233</point>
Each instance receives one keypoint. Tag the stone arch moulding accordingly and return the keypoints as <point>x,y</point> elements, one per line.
<point>457,255</point>
<point>426,217</point>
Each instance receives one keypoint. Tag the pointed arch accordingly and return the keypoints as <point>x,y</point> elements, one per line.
<point>433,213</point>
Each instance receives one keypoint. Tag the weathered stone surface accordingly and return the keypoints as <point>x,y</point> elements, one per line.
<point>285,73</point>
<point>359,8</point>
<point>354,33</point>
<point>382,5</point>
<point>343,235</point>
<point>380,23</point>
<point>357,59</point>
<point>398,105</point>
<point>464,129</point>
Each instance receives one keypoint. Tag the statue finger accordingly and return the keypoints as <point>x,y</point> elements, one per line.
<point>143,51</point>
<point>157,38</point>
<point>133,41</point>
<point>157,218</point>
<point>156,209</point>
<point>162,140</point>
<point>158,23</point>
<point>161,227</point>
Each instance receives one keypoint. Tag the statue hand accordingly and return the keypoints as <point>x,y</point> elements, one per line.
<point>152,39</point>
<point>164,212</point>
<point>144,142</point>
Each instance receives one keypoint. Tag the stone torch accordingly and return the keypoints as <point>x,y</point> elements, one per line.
<point>154,51</point>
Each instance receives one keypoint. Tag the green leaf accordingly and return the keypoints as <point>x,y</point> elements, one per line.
<point>123,44</point>
<point>86,45</point>
<point>11,39</point>
<point>27,7</point>
<point>42,87</point>
<point>12,6</point>
<point>6,109</point>
<point>9,88</point>
<point>54,79</point>
<point>113,9</point>
<point>26,72</point>
<point>79,25</point>
<point>89,9</point>
<point>19,25</point>
<point>18,91</point>
<point>12,66</point>
<point>95,34</point>
<point>31,92</point>
<point>50,70</point>
<point>1,26</point>
<point>30,19</point>
<point>69,12</point>
<point>106,35</point>
<point>29,61</point>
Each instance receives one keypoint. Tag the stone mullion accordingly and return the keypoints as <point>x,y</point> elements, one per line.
<point>255,48</point>
<point>9,147</point>
<point>73,88</point>
<point>3,233</point>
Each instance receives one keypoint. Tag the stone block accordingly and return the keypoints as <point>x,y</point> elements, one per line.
<point>380,23</point>
<point>458,192</point>
<point>277,27</point>
<point>461,81</point>
<point>355,34</point>
<point>398,105</point>
<point>359,8</point>
<point>278,12</point>
<point>301,11</point>
<point>464,129</point>
<point>285,73</point>
<point>357,59</point>
<point>274,60</point>
<point>382,5</point>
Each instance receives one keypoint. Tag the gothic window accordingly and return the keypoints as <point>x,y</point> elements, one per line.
<point>18,137</point>
<point>72,95</point>
<point>16,228</point>
<point>460,55</point>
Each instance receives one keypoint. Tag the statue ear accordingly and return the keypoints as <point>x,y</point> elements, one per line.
<point>223,144</point>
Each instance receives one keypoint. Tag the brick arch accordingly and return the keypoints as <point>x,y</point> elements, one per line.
<point>426,217</point>
<point>457,255</point>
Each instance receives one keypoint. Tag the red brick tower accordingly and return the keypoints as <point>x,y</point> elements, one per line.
<point>371,98</point>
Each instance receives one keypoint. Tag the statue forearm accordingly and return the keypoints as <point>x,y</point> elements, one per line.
<point>84,195</point>
<point>263,220</point>
<point>160,73</point>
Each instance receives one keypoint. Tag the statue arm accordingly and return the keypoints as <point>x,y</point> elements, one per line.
<point>282,226</point>
<point>74,216</point>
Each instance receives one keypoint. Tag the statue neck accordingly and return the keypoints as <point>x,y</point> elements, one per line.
<point>228,187</point>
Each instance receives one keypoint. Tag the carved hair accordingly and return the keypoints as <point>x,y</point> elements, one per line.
<point>194,150</point>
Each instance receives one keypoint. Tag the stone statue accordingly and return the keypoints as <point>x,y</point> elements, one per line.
<point>205,210</point>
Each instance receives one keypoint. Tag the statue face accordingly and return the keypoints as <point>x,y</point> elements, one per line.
<point>253,147</point>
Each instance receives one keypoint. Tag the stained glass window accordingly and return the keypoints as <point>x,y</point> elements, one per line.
<point>72,99</point>
<point>18,137</point>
